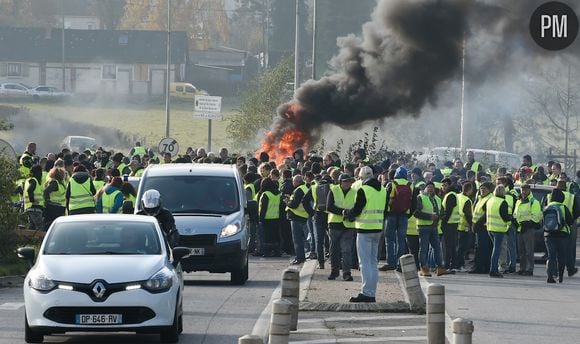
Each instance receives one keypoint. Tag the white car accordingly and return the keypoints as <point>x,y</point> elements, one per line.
<point>13,90</point>
<point>47,92</point>
<point>104,272</point>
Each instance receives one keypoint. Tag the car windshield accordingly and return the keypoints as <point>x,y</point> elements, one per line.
<point>103,238</point>
<point>196,194</point>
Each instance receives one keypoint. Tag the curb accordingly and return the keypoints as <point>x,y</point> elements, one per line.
<point>11,281</point>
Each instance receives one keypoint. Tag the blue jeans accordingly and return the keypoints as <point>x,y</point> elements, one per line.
<point>299,234</point>
<point>557,255</point>
<point>497,238</point>
<point>512,247</point>
<point>367,245</point>
<point>395,237</point>
<point>429,237</point>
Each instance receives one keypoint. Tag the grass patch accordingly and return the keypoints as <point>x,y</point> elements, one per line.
<point>143,120</point>
<point>13,268</point>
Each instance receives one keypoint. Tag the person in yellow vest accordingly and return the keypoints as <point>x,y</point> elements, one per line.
<point>527,161</point>
<point>100,178</point>
<point>450,224</point>
<point>428,212</point>
<point>465,208</point>
<point>482,240</point>
<point>318,194</point>
<point>269,210</point>
<point>572,203</point>
<point>54,195</point>
<point>557,241</point>
<point>368,215</point>
<point>138,150</point>
<point>28,159</point>
<point>79,192</point>
<point>528,215</point>
<point>447,169</point>
<point>471,164</point>
<point>34,198</point>
<point>297,212</point>
<point>111,200</point>
<point>508,256</point>
<point>497,220</point>
<point>136,169</point>
<point>341,231</point>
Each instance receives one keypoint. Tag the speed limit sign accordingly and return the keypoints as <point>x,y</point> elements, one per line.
<point>168,145</point>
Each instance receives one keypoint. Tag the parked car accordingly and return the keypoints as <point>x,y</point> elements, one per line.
<point>104,272</point>
<point>539,192</point>
<point>48,92</point>
<point>13,90</point>
<point>211,214</point>
<point>78,143</point>
<point>185,91</point>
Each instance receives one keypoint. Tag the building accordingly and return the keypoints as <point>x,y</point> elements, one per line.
<point>94,62</point>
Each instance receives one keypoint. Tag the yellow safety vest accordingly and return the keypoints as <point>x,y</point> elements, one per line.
<point>475,166</point>
<point>428,209</point>
<point>59,196</point>
<point>252,189</point>
<point>461,201</point>
<point>568,200</point>
<point>273,211</point>
<point>529,211</point>
<point>372,216</point>
<point>121,167</point>
<point>357,184</point>
<point>299,211</point>
<point>494,221</point>
<point>510,201</point>
<point>108,201</point>
<point>412,226</point>
<point>454,218</point>
<point>80,195</point>
<point>446,172</point>
<point>99,184</point>
<point>140,151</point>
<point>478,210</point>
<point>38,194</point>
<point>344,202</point>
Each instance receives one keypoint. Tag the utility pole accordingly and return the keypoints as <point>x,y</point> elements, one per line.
<point>63,50</point>
<point>462,114</point>
<point>314,13</point>
<point>297,47</point>
<point>168,78</point>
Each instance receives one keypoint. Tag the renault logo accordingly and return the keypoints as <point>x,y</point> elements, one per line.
<point>99,290</point>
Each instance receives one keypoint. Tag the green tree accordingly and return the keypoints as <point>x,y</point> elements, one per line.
<point>259,106</point>
<point>8,214</point>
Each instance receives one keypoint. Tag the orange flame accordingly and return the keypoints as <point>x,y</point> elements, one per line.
<point>285,138</point>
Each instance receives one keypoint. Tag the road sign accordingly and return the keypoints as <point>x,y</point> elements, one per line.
<point>208,107</point>
<point>168,145</point>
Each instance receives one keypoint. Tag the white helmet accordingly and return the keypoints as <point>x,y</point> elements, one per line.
<point>151,202</point>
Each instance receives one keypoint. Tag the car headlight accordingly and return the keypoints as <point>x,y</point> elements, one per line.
<point>161,281</point>
<point>41,283</point>
<point>230,230</point>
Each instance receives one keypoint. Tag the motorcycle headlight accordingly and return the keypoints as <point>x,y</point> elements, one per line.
<point>160,282</point>
<point>230,230</point>
<point>41,283</point>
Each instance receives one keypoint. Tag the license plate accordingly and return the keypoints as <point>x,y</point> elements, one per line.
<point>198,251</point>
<point>99,319</point>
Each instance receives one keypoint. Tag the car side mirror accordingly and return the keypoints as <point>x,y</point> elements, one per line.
<point>179,253</point>
<point>27,253</point>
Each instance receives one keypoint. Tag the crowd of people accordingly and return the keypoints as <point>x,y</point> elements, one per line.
<point>319,207</point>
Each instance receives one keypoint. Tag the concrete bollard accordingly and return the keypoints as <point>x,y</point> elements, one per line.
<point>280,322</point>
<point>247,339</point>
<point>411,282</point>
<point>462,331</point>
<point>291,292</point>
<point>435,314</point>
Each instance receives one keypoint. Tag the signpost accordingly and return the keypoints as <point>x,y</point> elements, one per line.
<point>168,145</point>
<point>210,108</point>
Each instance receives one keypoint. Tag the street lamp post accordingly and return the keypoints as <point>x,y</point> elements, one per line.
<point>168,72</point>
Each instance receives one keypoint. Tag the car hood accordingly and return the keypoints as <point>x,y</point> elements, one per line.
<point>111,268</point>
<point>193,224</point>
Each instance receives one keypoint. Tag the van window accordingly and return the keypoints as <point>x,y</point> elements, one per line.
<point>196,194</point>
<point>189,89</point>
<point>179,88</point>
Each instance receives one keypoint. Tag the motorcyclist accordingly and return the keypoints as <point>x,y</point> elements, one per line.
<point>151,206</point>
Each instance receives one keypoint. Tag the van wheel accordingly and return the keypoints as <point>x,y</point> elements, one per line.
<point>240,275</point>
<point>31,336</point>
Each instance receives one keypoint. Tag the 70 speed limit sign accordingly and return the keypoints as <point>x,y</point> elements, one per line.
<point>168,145</point>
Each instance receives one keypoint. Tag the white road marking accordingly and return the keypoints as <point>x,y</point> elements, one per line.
<point>362,340</point>
<point>366,328</point>
<point>11,306</point>
<point>367,318</point>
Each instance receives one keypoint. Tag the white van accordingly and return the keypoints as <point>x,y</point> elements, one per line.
<point>439,155</point>
<point>211,214</point>
<point>78,143</point>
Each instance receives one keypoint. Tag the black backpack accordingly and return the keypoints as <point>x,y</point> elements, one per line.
<point>322,190</point>
<point>553,221</point>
